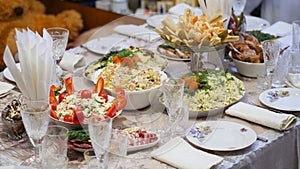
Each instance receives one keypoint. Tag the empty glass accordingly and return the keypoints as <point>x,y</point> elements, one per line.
<point>117,151</point>
<point>281,70</point>
<point>182,120</point>
<point>296,34</point>
<point>238,6</point>
<point>173,93</point>
<point>294,68</point>
<point>55,146</point>
<point>100,133</point>
<point>271,50</point>
<point>35,117</point>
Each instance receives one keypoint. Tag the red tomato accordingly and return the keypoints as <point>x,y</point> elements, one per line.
<point>98,88</point>
<point>69,85</point>
<point>112,111</point>
<point>116,59</point>
<point>121,102</point>
<point>127,62</point>
<point>53,106</point>
<point>78,116</point>
<point>120,91</point>
<point>68,118</point>
<point>85,94</point>
<point>105,96</point>
<point>62,97</point>
<point>53,114</point>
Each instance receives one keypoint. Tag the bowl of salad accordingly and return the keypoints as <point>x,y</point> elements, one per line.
<point>139,83</point>
<point>73,109</point>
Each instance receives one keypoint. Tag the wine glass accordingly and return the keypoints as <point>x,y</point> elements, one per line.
<point>100,134</point>
<point>173,93</point>
<point>60,41</point>
<point>238,6</point>
<point>35,117</point>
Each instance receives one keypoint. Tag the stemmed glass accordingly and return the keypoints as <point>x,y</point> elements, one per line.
<point>173,93</point>
<point>60,41</point>
<point>238,6</point>
<point>35,117</point>
<point>100,133</point>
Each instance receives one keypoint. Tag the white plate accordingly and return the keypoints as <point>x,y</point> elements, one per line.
<point>144,146</point>
<point>5,88</point>
<point>285,103</point>
<point>104,45</point>
<point>172,58</point>
<point>256,23</point>
<point>221,136</point>
<point>155,21</point>
<point>8,75</point>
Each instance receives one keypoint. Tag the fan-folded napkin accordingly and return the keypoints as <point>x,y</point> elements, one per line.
<point>279,28</point>
<point>278,121</point>
<point>71,61</point>
<point>180,154</point>
<point>138,32</point>
<point>36,63</point>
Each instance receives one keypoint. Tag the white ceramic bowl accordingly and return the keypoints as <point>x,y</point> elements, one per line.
<point>139,99</point>
<point>249,69</point>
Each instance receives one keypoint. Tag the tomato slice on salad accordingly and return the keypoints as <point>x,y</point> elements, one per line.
<point>127,62</point>
<point>78,116</point>
<point>69,85</point>
<point>62,97</point>
<point>98,88</point>
<point>120,102</point>
<point>68,118</point>
<point>105,96</point>
<point>120,91</point>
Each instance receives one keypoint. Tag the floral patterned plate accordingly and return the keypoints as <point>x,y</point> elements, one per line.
<point>286,99</point>
<point>221,135</point>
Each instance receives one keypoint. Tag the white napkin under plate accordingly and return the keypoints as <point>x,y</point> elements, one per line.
<point>279,28</point>
<point>278,121</point>
<point>140,32</point>
<point>180,154</point>
<point>71,61</point>
<point>5,87</point>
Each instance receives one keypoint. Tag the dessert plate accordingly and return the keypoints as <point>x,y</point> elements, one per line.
<point>221,136</point>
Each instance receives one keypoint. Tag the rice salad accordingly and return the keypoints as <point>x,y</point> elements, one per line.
<point>212,90</point>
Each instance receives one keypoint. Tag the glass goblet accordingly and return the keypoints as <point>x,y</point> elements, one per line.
<point>35,117</point>
<point>238,6</point>
<point>100,134</point>
<point>173,93</point>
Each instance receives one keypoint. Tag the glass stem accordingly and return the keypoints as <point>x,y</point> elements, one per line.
<point>37,153</point>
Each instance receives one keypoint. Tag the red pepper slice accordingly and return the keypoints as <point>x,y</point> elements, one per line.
<point>111,111</point>
<point>69,85</point>
<point>116,59</point>
<point>98,88</point>
<point>120,102</point>
<point>119,91</point>
<point>53,114</point>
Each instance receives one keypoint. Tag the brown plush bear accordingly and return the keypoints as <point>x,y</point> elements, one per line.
<point>23,14</point>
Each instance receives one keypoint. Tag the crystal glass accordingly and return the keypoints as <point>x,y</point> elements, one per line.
<point>35,117</point>
<point>294,68</point>
<point>238,6</point>
<point>60,41</point>
<point>271,50</point>
<point>117,151</point>
<point>55,146</point>
<point>100,134</point>
<point>173,93</point>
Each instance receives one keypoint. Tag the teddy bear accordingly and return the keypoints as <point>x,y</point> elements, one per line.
<point>23,14</point>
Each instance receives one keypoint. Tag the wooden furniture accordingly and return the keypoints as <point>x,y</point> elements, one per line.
<point>92,17</point>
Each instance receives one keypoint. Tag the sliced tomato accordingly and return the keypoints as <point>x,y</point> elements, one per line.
<point>68,118</point>
<point>127,62</point>
<point>105,96</point>
<point>62,97</point>
<point>53,114</point>
<point>111,111</point>
<point>78,116</point>
<point>120,102</point>
<point>116,59</point>
<point>136,58</point>
<point>119,91</point>
<point>69,85</point>
<point>85,94</point>
<point>98,88</point>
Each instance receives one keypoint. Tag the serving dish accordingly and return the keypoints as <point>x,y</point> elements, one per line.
<point>221,135</point>
<point>249,69</point>
<point>146,57</point>
<point>286,99</point>
<point>212,91</point>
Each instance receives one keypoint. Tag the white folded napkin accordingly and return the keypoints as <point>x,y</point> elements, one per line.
<point>279,28</point>
<point>71,61</point>
<point>36,63</point>
<point>213,8</point>
<point>180,154</point>
<point>179,9</point>
<point>278,121</point>
<point>5,87</point>
<point>139,32</point>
